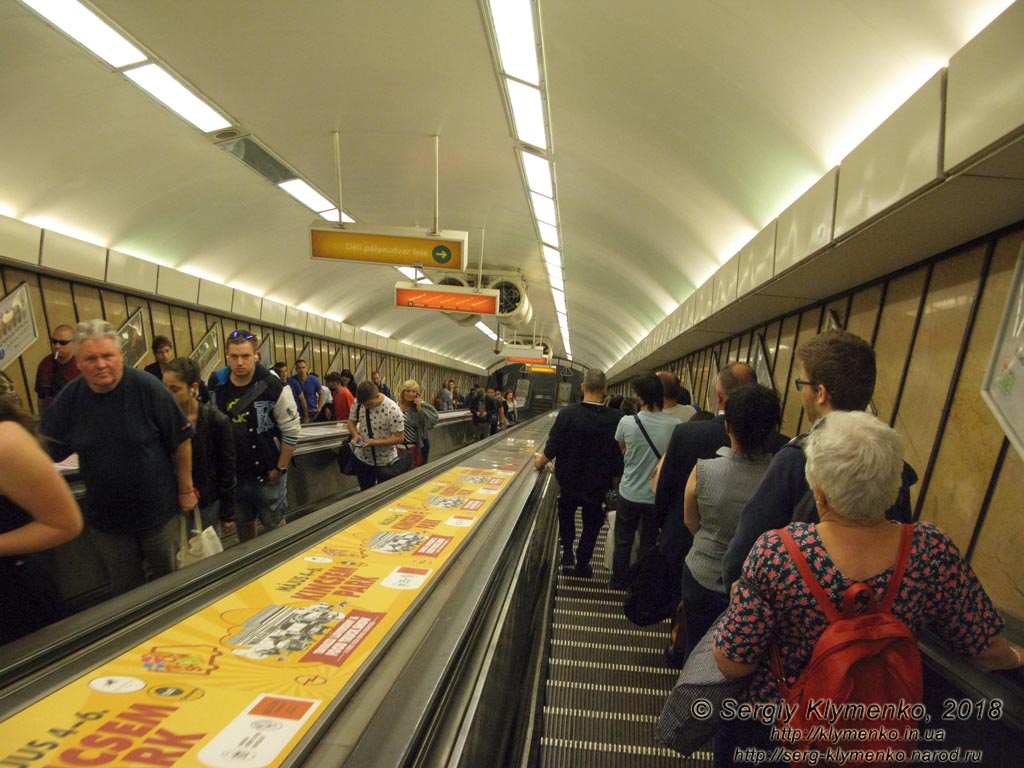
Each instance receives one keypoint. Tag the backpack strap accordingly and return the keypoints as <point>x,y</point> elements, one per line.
<point>815,588</point>
<point>902,558</point>
<point>650,442</point>
<point>248,400</point>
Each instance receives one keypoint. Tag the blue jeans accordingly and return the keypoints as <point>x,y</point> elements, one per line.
<point>255,500</point>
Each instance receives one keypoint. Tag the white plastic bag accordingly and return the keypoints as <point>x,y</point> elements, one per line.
<point>203,543</point>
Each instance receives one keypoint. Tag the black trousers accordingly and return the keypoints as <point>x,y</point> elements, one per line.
<point>593,519</point>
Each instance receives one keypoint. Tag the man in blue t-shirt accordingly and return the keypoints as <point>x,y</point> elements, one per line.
<point>309,395</point>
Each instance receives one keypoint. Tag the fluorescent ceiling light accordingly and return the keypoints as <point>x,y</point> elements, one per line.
<point>486,331</point>
<point>84,26</point>
<point>548,233</point>
<point>156,81</point>
<point>559,300</point>
<point>543,208</point>
<point>306,195</point>
<point>552,257</point>
<point>555,277</point>
<point>538,174</point>
<point>332,215</point>
<point>517,47</point>
<point>528,113</point>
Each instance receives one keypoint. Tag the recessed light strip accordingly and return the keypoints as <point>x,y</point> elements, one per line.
<point>85,27</point>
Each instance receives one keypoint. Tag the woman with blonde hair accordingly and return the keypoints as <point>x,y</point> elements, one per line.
<point>420,418</point>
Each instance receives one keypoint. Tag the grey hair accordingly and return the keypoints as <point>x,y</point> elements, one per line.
<point>594,380</point>
<point>94,330</point>
<point>857,461</point>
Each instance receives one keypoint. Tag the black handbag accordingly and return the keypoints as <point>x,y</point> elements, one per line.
<point>402,464</point>
<point>347,458</point>
<point>652,596</point>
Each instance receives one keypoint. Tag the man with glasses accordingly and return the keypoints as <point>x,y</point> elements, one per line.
<point>56,369</point>
<point>836,372</point>
<point>265,423</point>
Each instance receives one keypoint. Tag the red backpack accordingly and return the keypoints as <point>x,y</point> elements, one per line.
<point>858,700</point>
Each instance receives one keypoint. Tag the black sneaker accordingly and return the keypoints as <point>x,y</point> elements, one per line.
<point>619,585</point>
<point>583,570</point>
<point>568,559</point>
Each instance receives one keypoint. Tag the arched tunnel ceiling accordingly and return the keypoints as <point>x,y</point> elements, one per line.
<point>679,129</point>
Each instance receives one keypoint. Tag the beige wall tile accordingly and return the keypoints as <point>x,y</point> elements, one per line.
<point>951,293</point>
<point>897,324</point>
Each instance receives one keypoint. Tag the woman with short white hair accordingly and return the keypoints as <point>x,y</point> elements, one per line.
<point>420,418</point>
<point>854,463</point>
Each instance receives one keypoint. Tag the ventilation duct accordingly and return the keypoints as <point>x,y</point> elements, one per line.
<point>513,305</point>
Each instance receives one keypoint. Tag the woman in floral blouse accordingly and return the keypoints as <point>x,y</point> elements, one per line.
<point>853,467</point>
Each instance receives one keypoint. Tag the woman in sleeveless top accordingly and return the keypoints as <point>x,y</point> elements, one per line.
<point>37,512</point>
<point>716,493</point>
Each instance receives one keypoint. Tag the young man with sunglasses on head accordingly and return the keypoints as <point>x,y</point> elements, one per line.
<point>265,423</point>
<point>56,369</point>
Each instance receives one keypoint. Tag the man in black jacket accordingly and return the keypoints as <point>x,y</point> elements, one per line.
<point>836,372</point>
<point>588,460</point>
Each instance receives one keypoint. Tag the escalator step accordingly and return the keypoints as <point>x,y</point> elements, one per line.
<point>597,634</point>
<point>574,753</point>
<point>613,727</point>
<point>642,701</point>
<point>599,673</point>
<point>626,654</point>
<point>601,619</point>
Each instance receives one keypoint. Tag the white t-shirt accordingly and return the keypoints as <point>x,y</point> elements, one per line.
<point>681,412</point>
<point>386,419</point>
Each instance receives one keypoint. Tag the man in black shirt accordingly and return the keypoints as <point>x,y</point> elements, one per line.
<point>588,460</point>
<point>134,449</point>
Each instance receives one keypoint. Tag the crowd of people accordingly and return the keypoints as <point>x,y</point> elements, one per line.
<point>724,498</point>
<point>157,444</point>
<point>714,496</point>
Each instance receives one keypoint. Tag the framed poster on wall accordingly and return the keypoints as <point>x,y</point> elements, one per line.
<point>17,325</point>
<point>207,353</point>
<point>133,339</point>
<point>1003,387</point>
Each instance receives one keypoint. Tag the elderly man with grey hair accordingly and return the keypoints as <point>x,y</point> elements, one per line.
<point>135,455</point>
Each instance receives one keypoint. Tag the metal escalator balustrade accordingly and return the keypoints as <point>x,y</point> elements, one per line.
<point>607,680</point>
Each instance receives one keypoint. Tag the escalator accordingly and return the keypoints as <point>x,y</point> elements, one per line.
<point>606,682</point>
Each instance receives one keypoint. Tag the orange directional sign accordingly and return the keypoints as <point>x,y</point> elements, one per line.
<point>527,360</point>
<point>397,247</point>
<point>446,298</point>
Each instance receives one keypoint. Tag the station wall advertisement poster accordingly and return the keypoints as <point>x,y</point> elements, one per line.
<point>17,325</point>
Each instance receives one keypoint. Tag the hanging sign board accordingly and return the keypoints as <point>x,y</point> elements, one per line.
<point>397,247</point>
<point>541,369</point>
<point>540,360</point>
<point>448,298</point>
<point>17,325</point>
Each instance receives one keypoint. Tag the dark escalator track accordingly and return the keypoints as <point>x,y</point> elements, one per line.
<point>607,681</point>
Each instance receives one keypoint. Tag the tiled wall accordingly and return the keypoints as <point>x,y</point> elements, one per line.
<point>57,300</point>
<point>932,328</point>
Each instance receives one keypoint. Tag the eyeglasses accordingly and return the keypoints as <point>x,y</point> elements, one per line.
<point>799,384</point>
<point>60,342</point>
<point>241,335</point>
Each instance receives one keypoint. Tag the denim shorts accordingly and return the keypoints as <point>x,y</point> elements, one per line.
<point>266,502</point>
